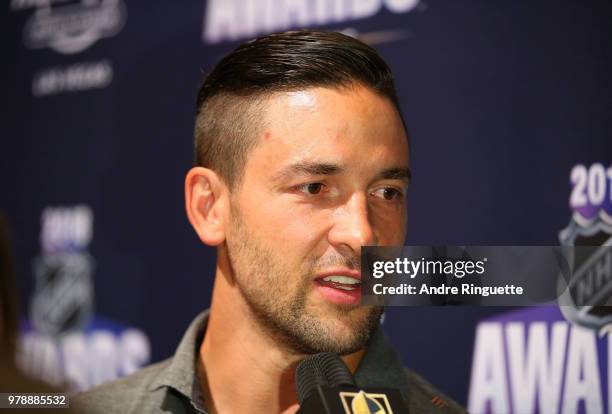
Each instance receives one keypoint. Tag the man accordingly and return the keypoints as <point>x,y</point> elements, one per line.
<point>302,158</point>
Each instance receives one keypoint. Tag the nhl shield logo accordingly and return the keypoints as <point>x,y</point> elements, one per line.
<point>588,298</point>
<point>63,297</point>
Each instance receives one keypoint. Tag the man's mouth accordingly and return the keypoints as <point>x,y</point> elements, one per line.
<point>340,282</point>
<point>340,285</point>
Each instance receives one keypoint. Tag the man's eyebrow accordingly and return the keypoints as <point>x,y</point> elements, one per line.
<point>304,168</point>
<point>399,173</point>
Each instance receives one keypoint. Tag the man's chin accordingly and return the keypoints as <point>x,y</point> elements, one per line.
<point>350,315</point>
<point>344,331</point>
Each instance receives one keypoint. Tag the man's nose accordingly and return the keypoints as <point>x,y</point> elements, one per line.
<point>352,226</point>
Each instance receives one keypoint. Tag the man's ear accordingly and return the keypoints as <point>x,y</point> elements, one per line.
<point>206,204</point>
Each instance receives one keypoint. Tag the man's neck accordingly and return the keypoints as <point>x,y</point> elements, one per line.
<point>242,368</point>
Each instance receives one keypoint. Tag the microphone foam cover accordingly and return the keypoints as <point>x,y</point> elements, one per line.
<point>318,370</point>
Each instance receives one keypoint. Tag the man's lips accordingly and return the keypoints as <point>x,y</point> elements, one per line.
<point>340,271</point>
<point>340,278</point>
<point>339,285</point>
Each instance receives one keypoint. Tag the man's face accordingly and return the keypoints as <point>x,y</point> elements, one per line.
<point>327,176</point>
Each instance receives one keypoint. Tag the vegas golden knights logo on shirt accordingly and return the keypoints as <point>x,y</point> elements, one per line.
<point>365,403</point>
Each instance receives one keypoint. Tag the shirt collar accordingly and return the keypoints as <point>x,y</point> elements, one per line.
<point>381,366</point>
<point>182,372</point>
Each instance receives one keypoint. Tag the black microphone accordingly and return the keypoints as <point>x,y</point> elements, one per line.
<point>325,386</point>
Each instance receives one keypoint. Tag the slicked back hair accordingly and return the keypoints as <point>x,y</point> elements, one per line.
<point>230,100</point>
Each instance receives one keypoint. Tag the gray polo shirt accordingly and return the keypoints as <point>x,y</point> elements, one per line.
<point>172,386</point>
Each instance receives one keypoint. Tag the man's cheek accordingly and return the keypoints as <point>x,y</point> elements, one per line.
<point>297,231</point>
<point>390,230</point>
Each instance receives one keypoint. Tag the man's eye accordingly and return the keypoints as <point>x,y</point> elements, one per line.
<point>312,188</point>
<point>388,193</point>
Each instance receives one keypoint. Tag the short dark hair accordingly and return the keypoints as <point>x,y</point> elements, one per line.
<point>228,110</point>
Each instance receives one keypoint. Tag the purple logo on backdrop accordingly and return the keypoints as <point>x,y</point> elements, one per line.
<point>590,225</point>
<point>534,361</point>
<point>63,342</point>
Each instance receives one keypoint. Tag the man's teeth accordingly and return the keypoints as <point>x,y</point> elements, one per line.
<point>342,279</point>
<point>344,287</point>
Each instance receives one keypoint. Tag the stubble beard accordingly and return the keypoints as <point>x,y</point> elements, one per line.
<point>284,315</point>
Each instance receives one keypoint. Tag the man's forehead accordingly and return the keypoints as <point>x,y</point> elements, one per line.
<point>329,128</point>
<point>328,112</point>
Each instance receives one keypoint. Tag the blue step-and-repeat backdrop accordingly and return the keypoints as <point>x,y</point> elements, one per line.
<point>509,105</point>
